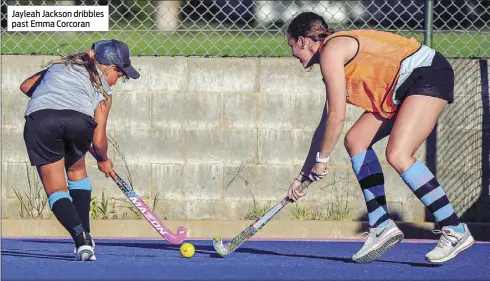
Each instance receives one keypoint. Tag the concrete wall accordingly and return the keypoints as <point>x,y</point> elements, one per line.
<point>207,135</point>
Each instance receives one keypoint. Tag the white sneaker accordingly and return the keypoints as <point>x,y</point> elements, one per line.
<point>93,247</point>
<point>379,240</point>
<point>450,244</point>
<point>84,253</point>
<point>84,250</point>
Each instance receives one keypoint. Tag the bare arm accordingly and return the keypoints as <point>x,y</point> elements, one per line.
<point>30,84</point>
<point>100,143</point>
<point>336,53</point>
<point>316,142</point>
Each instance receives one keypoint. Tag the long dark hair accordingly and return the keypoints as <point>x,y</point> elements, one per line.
<point>89,63</point>
<point>309,25</point>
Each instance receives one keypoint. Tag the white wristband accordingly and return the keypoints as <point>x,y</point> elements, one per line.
<point>321,160</point>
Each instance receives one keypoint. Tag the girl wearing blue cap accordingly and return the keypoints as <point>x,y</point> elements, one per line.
<point>68,109</point>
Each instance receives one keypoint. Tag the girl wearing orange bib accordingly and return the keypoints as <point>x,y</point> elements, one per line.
<point>403,86</point>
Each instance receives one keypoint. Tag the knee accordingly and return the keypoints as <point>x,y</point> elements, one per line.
<point>352,144</point>
<point>397,157</point>
<point>76,173</point>
<point>392,154</point>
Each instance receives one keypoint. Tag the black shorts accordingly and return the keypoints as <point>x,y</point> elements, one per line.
<point>50,135</point>
<point>436,80</point>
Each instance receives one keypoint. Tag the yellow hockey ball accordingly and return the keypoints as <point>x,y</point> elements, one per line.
<point>187,250</point>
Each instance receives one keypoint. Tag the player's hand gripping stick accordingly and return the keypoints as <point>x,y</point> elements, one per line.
<point>250,231</point>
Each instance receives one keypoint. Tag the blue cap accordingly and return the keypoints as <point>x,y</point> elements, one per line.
<point>115,52</point>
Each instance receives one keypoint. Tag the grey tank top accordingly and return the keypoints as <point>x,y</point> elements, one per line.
<point>67,87</point>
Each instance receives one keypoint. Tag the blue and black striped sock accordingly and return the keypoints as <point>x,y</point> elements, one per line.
<point>370,176</point>
<point>425,186</point>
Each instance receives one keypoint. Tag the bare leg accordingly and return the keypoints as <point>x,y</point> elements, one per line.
<point>416,119</point>
<point>77,171</point>
<point>369,129</point>
<point>53,177</point>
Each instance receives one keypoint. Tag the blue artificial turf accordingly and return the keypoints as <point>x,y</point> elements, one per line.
<point>52,259</point>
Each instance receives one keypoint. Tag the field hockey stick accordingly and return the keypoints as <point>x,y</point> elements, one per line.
<point>247,233</point>
<point>146,211</point>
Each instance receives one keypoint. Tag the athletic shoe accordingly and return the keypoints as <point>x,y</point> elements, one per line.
<point>379,240</point>
<point>93,258</point>
<point>450,244</point>
<point>84,249</point>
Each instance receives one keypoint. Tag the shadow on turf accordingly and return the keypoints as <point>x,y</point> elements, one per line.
<point>416,231</point>
<point>410,230</point>
<point>34,255</point>
<point>210,250</point>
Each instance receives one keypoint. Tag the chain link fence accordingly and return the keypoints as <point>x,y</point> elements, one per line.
<point>254,28</point>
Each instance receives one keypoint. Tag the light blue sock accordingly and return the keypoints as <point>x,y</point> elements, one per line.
<point>83,184</point>
<point>458,228</point>
<point>369,173</point>
<point>426,187</point>
<point>55,196</point>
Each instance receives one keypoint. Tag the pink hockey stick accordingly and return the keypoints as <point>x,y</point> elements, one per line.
<point>147,213</point>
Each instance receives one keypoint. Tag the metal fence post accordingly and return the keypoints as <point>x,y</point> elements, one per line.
<point>428,22</point>
<point>431,142</point>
